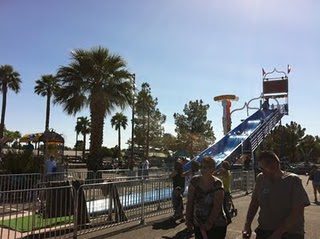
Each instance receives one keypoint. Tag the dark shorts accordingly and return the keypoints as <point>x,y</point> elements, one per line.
<point>215,232</point>
<point>265,234</point>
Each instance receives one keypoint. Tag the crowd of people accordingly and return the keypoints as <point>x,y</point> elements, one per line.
<point>279,197</point>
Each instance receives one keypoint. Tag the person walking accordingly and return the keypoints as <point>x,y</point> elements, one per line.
<point>51,168</point>
<point>204,213</point>
<point>178,185</point>
<point>281,198</point>
<point>194,170</point>
<point>225,175</point>
<point>314,176</point>
<point>145,168</point>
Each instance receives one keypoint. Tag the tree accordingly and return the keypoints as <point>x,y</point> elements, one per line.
<point>119,121</point>
<point>169,142</point>
<point>99,80</point>
<point>285,141</point>
<point>12,137</point>
<point>194,130</point>
<point>83,126</point>
<point>148,121</point>
<point>47,85</point>
<point>9,79</point>
<point>306,147</point>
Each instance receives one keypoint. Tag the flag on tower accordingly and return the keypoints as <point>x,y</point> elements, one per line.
<point>289,69</point>
<point>263,72</point>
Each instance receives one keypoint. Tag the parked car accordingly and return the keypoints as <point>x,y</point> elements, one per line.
<point>302,168</point>
<point>285,166</point>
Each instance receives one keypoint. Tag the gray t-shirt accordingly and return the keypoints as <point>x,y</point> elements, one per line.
<point>276,200</point>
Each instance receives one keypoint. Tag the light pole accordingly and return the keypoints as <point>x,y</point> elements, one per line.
<point>133,81</point>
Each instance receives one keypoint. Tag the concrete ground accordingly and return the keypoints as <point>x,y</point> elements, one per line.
<point>162,228</point>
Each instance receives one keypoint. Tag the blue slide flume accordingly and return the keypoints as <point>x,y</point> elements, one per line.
<point>230,146</point>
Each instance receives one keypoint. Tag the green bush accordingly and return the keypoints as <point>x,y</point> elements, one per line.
<point>21,162</point>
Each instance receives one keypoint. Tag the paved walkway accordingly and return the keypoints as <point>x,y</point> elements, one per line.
<point>161,227</point>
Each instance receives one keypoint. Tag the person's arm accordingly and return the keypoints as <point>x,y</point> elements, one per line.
<point>253,206</point>
<point>189,209</point>
<point>252,211</point>
<point>217,172</point>
<point>217,206</point>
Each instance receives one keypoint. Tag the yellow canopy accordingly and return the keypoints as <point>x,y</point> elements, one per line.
<point>30,137</point>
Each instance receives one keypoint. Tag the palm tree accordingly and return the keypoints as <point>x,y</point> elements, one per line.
<point>99,80</point>
<point>9,79</point>
<point>83,127</point>
<point>46,86</point>
<point>119,121</point>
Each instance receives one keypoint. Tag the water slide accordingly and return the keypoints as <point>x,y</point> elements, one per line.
<point>249,133</point>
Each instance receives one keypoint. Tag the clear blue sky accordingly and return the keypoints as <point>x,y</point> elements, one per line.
<point>186,50</point>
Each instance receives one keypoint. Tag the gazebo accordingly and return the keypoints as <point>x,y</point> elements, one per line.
<point>52,141</point>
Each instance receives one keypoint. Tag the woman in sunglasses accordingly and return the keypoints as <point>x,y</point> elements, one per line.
<point>204,213</point>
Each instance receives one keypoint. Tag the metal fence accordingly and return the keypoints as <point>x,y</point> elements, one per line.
<point>33,180</point>
<point>66,209</point>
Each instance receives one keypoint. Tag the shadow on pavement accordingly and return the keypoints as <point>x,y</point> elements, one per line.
<point>184,234</point>
<point>166,224</point>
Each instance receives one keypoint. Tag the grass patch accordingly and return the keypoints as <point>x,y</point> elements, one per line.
<point>34,222</point>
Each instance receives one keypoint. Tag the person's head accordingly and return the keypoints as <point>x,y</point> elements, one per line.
<point>51,157</point>
<point>208,166</point>
<point>225,165</point>
<point>269,162</point>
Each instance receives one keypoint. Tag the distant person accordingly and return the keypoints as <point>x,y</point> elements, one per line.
<point>29,147</point>
<point>204,212</point>
<point>145,168</point>
<point>281,199</point>
<point>178,186</point>
<point>50,165</point>
<point>194,170</point>
<point>314,176</point>
<point>225,175</point>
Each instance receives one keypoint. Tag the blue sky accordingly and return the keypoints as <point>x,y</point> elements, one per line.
<point>185,50</point>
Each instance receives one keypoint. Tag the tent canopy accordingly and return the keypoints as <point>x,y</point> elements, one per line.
<point>30,137</point>
<point>48,136</point>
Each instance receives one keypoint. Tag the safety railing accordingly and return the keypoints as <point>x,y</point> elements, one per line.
<point>48,213</point>
<point>28,181</point>
<point>66,209</point>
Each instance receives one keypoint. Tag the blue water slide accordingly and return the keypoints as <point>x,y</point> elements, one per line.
<point>230,145</point>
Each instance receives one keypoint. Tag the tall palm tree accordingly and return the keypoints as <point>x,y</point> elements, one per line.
<point>46,86</point>
<point>99,80</point>
<point>83,127</point>
<point>119,121</point>
<point>9,79</point>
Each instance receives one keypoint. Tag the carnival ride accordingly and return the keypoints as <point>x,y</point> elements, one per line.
<point>246,137</point>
